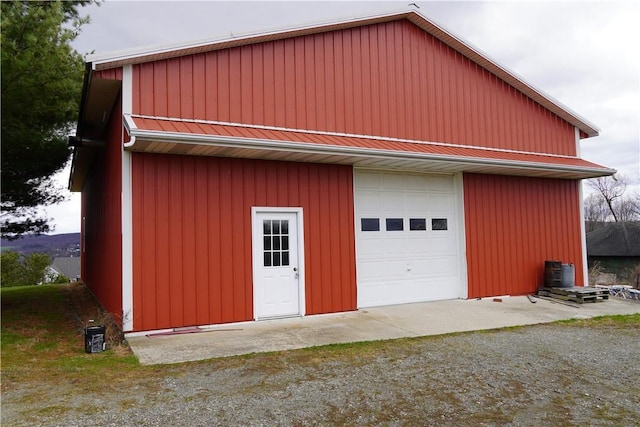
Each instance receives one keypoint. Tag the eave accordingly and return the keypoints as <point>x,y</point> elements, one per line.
<point>96,105</point>
<point>207,138</point>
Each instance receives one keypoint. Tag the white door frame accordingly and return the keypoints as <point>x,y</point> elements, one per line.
<point>256,257</point>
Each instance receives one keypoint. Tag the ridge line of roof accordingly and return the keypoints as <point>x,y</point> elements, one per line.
<point>343,134</point>
<point>144,51</point>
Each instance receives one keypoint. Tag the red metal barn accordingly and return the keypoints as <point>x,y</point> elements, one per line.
<point>369,162</point>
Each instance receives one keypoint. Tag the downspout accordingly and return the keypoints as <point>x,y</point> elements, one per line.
<point>583,228</point>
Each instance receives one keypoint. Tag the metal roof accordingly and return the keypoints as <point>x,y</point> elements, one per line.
<point>107,61</point>
<point>615,239</point>
<point>68,266</point>
<point>210,138</point>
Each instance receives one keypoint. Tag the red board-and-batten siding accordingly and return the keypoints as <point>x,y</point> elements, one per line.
<point>192,235</point>
<point>389,79</point>
<point>513,224</point>
<point>101,210</point>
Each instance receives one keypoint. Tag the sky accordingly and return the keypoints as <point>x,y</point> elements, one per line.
<point>583,54</point>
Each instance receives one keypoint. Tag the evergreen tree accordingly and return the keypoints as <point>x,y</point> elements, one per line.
<point>41,88</point>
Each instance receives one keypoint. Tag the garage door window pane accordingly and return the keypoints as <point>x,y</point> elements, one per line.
<point>395,224</point>
<point>370,224</point>
<point>438,224</point>
<point>417,224</point>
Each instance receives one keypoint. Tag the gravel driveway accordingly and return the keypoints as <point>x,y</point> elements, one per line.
<point>554,374</point>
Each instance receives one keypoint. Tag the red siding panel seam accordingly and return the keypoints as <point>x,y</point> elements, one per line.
<point>198,265</point>
<point>379,67</point>
<point>514,224</point>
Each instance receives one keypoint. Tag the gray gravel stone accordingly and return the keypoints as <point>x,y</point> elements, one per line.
<point>539,375</point>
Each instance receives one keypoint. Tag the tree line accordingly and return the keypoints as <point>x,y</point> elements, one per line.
<point>27,270</point>
<point>610,202</point>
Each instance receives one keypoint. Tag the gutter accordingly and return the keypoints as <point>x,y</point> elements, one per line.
<point>130,127</point>
<point>302,147</point>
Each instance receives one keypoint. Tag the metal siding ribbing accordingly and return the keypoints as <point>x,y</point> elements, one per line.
<point>192,228</point>
<point>389,79</point>
<point>514,224</point>
<point>102,226</point>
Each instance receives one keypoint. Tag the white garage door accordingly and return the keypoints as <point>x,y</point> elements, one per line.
<point>407,238</point>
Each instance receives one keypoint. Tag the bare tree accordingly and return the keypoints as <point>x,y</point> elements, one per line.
<point>596,211</point>
<point>628,208</point>
<point>611,188</point>
<point>635,204</point>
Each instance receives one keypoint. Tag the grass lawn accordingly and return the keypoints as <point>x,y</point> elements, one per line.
<point>43,339</point>
<point>44,366</point>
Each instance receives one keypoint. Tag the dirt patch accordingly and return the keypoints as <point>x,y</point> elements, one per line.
<point>84,310</point>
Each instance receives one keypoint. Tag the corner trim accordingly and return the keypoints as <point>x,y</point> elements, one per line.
<point>127,209</point>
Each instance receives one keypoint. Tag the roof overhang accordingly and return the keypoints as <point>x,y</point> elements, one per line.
<point>208,138</point>
<point>138,56</point>
<point>96,105</point>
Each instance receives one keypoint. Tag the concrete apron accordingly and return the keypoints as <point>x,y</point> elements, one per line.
<point>379,323</point>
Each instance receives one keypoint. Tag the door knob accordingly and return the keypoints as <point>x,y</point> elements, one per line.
<point>295,268</point>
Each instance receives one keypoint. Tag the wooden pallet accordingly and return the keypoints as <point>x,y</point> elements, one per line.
<point>577,294</point>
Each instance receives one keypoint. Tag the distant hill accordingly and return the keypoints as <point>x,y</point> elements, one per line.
<point>67,244</point>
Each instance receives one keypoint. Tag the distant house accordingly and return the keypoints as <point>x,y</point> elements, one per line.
<point>615,247</point>
<point>321,169</point>
<point>65,266</point>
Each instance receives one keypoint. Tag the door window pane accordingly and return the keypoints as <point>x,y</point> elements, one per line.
<point>438,224</point>
<point>395,224</point>
<point>370,224</point>
<point>417,224</point>
<point>276,242</point>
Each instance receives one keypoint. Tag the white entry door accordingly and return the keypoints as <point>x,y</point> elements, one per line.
<point>276,270</point>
